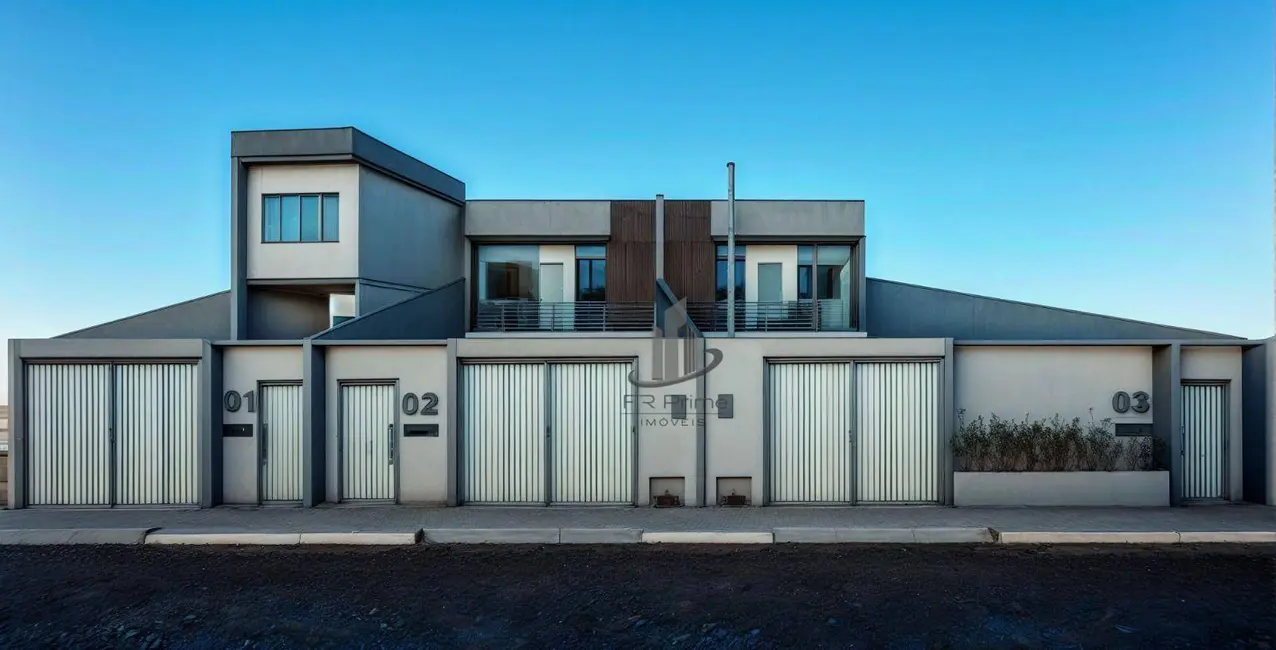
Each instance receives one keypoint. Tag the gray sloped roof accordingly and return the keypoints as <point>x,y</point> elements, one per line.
<point>898,309</point>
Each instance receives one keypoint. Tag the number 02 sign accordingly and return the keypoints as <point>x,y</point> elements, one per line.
<point>1123,402</point>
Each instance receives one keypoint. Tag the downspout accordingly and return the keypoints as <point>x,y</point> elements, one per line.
<point>730,249</point>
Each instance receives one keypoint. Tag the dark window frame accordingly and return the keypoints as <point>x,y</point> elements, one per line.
<point>321,201</point>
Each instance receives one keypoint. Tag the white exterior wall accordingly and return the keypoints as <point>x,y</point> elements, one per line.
<point>423,467</point>
<point>755,254</point>
<point>242,369</point>
<point>1039,382</point>
<point>1222,364</point>
<point>735,446</point>
<point>286,261</point>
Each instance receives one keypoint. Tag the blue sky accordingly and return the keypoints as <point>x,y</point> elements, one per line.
<point>1109,156</point>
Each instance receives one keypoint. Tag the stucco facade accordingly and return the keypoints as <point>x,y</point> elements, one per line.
<point>354,370</point>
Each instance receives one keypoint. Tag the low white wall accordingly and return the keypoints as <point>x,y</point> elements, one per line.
<point>423,467</point>
<point>243,368</point>
<point>1061,489</point>
<point>1040,382</point>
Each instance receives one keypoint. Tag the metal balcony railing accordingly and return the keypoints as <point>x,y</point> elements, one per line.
<point>538,316</point>
<point>826,315</point>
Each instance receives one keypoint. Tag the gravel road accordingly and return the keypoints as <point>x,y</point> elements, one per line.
<point>639,596</point>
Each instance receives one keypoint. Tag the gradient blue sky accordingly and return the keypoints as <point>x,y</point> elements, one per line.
<point>1111,156</point>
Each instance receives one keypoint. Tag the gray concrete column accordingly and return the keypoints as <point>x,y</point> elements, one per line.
<point>210,426</point>
<point>17,429</point>
<point>1167,397</point>
<point>314,424</point>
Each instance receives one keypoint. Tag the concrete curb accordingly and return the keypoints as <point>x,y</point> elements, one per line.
<point>1091,537</point>
<point>490,536</point>
<point>803,535</point>
<point>363,538</point>
<point>707,537</point>
<point>599,535</point>
<point>47,536</point>
<point>241,539</point>
<point>1228,537</point>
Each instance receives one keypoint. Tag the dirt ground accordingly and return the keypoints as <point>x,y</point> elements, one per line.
<point>639,596</point>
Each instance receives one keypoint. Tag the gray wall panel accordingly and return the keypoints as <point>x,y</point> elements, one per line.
<point>407,236</point>
<point>438,314</point>
<point>538,220</point>
<point>284,315</point>
<point>1255,423</point>
<point>201,318</point>
<point>901,310</point>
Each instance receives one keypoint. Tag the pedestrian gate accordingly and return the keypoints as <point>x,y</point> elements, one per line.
<point>1205,408</point>
<point>854,432</point>
<point>104,434</point>
<point>547,433</point>
<point>368,443</point>
<point>281,443</point>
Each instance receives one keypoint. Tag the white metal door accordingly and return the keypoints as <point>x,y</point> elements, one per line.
<point>156,434</point>
<point>68,424</point>
<point>811,458</point>
<point>1205,441</point>
<point>503,458</point>
<point>368,442</point>
<point>898,439</point>
<point>281,438</point>
<point>591,431</point>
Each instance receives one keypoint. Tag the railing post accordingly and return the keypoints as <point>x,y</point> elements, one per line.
<point>815,313</point>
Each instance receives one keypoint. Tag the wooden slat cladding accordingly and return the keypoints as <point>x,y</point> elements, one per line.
<point>631,252</point>
<point>689,250</point>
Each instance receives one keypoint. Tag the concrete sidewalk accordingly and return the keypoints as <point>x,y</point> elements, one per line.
<point>406,524</point>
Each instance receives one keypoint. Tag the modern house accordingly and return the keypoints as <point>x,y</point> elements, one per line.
<point>386,340</point>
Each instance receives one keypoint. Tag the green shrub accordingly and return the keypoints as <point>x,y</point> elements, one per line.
<point>1054,445</point>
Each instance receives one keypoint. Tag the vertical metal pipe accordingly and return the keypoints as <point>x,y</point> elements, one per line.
<point>730,249</point>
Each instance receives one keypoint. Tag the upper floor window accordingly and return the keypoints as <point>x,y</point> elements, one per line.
<point>720,271</point>
<point>300,218</point>
<point>591,273</point>
<point>824,271</point>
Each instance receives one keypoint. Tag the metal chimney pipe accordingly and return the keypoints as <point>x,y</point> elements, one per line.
<point>730,249</point>
<point>660,236</point>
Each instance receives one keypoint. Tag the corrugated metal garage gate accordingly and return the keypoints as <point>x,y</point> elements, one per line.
<point>1205,409</point>
<point>112,434</point>
<point>281,443</point>
<point>547,433</point>
<point>854,432</point>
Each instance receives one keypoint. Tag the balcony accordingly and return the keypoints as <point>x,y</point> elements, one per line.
<point>539,316</point>
<point>826,315</point>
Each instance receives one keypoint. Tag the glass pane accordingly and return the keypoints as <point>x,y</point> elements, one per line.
<point>331,217</point>
<point>270,219</point>
<point>291,218</point>
<point>838,255</point>
<point>739,280</point>
<point>591,252</point>
<point>804,254</point>
<point>804,283</point>
<point>722,251</point>
<point>720,278</point>
<point>309,218</point>
<point>598,279</point>
<point>830,281</point>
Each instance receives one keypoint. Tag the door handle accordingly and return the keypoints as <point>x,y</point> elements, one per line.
<point>390,431</point>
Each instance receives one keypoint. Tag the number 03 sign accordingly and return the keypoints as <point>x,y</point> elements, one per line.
<point>1123,402</point>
